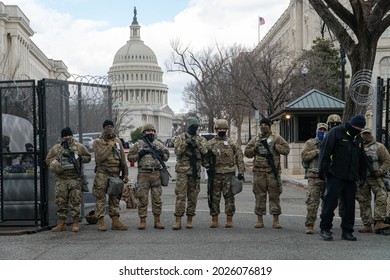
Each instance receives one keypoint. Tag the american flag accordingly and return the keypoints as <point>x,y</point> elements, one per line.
<point>261,21</point>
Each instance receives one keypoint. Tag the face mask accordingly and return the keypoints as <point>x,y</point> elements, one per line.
<point>264,130</point>
<point>221,133</point>
<point>192,129</point>
<point>150,137</point>
<point>321,135</point>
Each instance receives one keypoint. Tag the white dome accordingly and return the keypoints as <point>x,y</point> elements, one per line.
<point>135,51</point>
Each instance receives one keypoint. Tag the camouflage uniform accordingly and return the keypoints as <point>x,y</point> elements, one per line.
<point>229,157</point>
<point>110,161</point>
<point>264,181</point>
<point>380,157</point>
<point>68,187</point>
<point>309,155</point>
<point>188,179</point>
<point>149,177</point>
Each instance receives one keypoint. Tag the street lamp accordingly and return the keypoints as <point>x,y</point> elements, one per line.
<point>342,63</point>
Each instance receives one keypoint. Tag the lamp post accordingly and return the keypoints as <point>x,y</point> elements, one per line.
<point>342,63</point>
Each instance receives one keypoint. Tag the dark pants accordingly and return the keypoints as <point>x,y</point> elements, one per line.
<point>346,190</point>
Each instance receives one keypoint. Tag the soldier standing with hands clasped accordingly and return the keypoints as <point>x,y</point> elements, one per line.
<point>266,149</point>
<point>190,149</point>
<point>110,161</point>
<point>228,157</point>
<point>315,189</point>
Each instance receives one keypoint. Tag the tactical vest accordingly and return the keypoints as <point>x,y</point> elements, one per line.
<point>66,162</point>
<point>260,160</point>
<point>225,155</point>
<point>147,161</point>
<point>372,153</point>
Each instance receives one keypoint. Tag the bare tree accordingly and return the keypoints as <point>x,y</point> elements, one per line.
<point>203,67</point>
<point>358,29</point>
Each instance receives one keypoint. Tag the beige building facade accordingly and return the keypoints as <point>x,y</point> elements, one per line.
<point>20,57</point>
<point>295,30</point>
<point>141,91</point>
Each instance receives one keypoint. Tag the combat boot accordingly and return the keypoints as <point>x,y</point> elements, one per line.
<point>157,223</point>
<point>117,225</point>
<point>275,222</point>
<point>101,225</point>
<point>365,229</point>
<point>142,223</point>
<point>60,227</point>
<point>379,225</point>
<point>229,221</point>
<point>214,221</point>
<point>260,222</point>
<point>309,230</point>
<point>177,224</point>
<point>75,225</point>
<point>189,222</point>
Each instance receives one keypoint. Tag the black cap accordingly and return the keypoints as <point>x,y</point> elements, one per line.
<point>108,122</point>
<point>66,132</point>
<point>29,145</point>
<point>265,121</point>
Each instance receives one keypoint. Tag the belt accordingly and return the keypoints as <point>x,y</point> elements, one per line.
<point>149,169</point>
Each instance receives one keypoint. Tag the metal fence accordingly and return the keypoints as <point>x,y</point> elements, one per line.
<point>35,112</point>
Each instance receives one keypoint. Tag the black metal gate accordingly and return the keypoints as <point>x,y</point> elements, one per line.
<point>33,114</point>
<point>382,112</point>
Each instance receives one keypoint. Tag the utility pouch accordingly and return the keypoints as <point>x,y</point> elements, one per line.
<point>115,186</point>
<point>164,177</point>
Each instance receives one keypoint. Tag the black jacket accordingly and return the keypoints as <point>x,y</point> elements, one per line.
<point>343,155</point>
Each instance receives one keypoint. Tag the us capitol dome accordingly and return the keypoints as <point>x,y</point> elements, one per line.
<point>141,95</point>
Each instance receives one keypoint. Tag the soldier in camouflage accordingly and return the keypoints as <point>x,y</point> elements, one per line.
<point>265,180</point>
<point>67,180</point>
<point>309,155</point>
<point>145,151</point>
<point>229,158</point>
<point>379,161</point>
<point>110,161</point>
<point>190,149</point>
<point>333,120</point>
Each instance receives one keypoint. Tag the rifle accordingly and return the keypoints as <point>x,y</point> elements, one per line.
<point>210,180</point>
<point>370,162</point>
<point>156,156</point>
<point>84,183</point>
<point>270,159</point>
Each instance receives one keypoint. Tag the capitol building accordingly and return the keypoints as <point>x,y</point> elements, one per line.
<point>141,94</point>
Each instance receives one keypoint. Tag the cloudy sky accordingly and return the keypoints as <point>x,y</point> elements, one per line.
<point>86,34</point>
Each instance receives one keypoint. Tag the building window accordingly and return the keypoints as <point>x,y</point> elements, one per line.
<point>384,65</point>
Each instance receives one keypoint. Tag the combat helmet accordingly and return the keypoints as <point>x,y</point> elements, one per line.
<point>91,218</point>
<point>333,120</point>
<point>148,126</point>
<point>221,123</point>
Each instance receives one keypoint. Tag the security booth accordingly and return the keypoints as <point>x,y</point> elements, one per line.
<point>32,115</point>
<point>297,123</point>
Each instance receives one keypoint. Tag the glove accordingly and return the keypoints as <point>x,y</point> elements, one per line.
<point>143,152</point>
<point>160,154</point>
<point>66,154</point>
<point>126,179</point>
<point>191,142</point>
<point>240,177</point>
